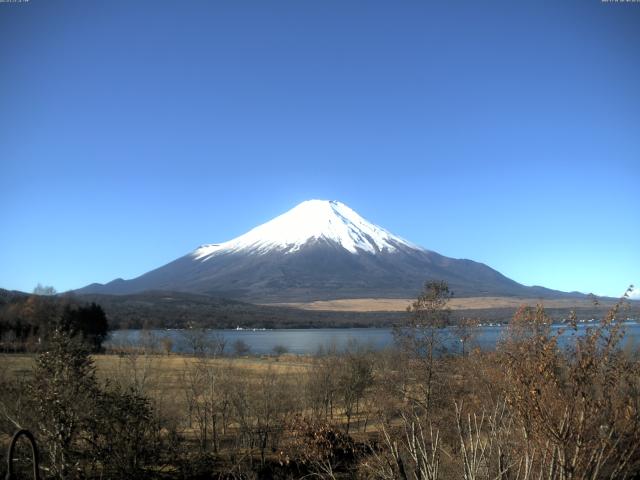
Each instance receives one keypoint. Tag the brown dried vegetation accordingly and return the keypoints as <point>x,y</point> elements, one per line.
<point>548,404</point>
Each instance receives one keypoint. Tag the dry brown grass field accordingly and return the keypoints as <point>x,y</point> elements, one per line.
<point>171,364</point>
<point>165,379</point>
<point>401,304</point>
<point>162,377</point>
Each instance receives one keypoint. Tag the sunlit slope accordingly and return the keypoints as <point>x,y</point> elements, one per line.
<point>319,250</point>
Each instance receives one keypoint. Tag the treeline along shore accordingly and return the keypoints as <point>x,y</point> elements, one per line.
<point>530,409</point>
<point>156,310</point>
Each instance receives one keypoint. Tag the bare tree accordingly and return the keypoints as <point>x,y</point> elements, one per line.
<point>579,409</point>
<point>201,342</point>
<point>279,350</point>
<point>195,338</point>
<point>355,376</point>
<point>45,290</point>
<point>241,348</point>
<point>135,367</point>
<point>167,345</point>
<point>322,385</point>
<point>420,336</point>
<point>201,381</point>
<point>410,451</point>
<point>465,331</point>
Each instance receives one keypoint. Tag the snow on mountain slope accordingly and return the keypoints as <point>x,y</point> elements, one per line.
<point>310,221</point>
<point>319,250</point>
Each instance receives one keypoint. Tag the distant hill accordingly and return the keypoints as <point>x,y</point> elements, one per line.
<point>180,310</point>
<point>183,310</point>
<point>8,295</point>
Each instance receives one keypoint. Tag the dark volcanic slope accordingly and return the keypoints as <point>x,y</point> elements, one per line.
<point>318,250</point>
<point>321,271</point>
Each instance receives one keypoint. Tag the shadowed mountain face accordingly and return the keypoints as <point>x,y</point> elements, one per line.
<point>317,251</point>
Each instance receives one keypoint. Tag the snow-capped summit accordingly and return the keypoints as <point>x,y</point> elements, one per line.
<point>308,222</point>
<point>318,250</point>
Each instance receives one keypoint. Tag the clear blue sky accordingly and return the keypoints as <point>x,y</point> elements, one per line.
<point>505,132</point>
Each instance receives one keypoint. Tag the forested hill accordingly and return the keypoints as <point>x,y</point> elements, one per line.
<point>178,310</point>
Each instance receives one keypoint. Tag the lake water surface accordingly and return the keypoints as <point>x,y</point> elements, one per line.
<point>310,341</point>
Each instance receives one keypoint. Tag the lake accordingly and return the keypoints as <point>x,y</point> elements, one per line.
<point>309,341</point>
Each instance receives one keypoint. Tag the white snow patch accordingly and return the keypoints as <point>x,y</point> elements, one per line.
<point>635,293</point>
<point>311,220</point>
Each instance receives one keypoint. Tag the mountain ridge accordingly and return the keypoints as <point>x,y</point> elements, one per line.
<point>319,250</point>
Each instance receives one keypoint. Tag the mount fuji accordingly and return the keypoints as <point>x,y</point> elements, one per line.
<point>319,250</point>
